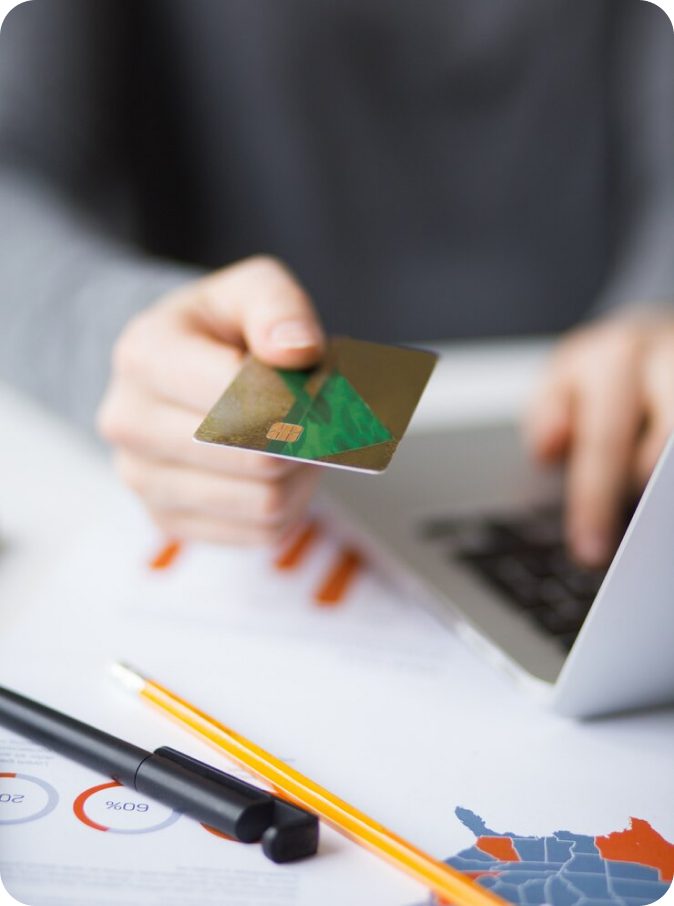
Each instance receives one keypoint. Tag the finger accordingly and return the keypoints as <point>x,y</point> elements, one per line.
<point>183,490</point>
<point>157,430</point>
<point>607,418</point>
<point>259,303</point>
<point>198,528</point>
<point>549,419</point>
<point>659,393</point>
<point>164,353</point>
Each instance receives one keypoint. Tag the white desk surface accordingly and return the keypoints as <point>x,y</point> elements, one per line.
<point>56,486</point>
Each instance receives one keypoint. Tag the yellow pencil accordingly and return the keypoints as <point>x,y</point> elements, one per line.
<point>446,882</point>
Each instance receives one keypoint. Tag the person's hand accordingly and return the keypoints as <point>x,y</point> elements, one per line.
<point>606,405</point>
<point>170,365</point>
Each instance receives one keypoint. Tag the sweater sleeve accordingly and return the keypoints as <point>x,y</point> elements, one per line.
<point>71,273</point>
<point>640,105</point>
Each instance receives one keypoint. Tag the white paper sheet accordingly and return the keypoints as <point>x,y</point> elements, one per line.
<point>370,697</point>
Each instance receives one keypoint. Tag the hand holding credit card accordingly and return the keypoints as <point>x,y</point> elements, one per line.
<point>350,411</point>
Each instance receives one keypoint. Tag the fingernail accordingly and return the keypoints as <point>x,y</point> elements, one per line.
<point>592,548</point>
<point>295,335</point>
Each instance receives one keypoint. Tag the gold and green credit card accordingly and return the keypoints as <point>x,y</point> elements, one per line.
<point>350,411</point>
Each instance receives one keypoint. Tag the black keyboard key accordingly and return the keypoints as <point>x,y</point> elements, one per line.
<point>560,611</point>
<point>567,639</point>
<point>554,594</point>
<point>510,577</point>
<point>525,560</point>
<point>544,528</point>
<point>475,540</point>
<point>537,562</point>
<point>584,583</point>
<point>505,534</point>
<point>433,529</point>
<point>557,623</point>
<point>486,538</point>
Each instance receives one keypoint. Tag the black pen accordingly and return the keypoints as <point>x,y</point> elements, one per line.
<point>217,799</point>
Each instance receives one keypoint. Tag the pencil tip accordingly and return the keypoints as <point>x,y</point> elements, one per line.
<point>127,676</point>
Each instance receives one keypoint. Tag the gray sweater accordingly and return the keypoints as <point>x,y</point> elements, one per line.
<point>429,168</point>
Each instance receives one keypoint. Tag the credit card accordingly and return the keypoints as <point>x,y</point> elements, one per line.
<point>350,411</point>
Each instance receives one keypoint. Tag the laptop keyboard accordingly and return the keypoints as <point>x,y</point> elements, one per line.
<point>525,559</point>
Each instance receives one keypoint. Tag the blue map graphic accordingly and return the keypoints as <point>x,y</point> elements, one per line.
<point>629,868</point>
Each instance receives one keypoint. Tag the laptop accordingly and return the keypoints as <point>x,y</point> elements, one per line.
<point>467,522</point>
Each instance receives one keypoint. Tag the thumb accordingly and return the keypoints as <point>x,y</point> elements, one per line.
<point>258,304</point>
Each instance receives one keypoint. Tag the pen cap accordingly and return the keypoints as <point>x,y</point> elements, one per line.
<point>224,808</point>
<point>254,793</point>
<point>292,836</point>
<point>294,832</point>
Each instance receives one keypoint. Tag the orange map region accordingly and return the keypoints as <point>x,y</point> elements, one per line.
<point>500,847</point>
<point>334,588</point>
<point>166,556</point>
<point>640,844</point>
<point>299,546</point>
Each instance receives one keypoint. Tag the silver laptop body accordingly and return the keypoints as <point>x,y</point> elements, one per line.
<point>450,493</point>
